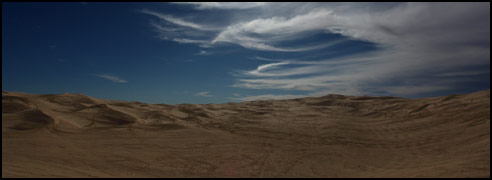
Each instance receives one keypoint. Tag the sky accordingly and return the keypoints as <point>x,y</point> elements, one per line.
<point>201,53</point>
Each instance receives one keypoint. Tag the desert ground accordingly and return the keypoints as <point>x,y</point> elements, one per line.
<point>73,135</point>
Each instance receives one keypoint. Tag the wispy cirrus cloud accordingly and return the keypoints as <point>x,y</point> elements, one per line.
<point>203,94</point>
<point>113,78</point>
<point>414,49</point>
<point>277,29</point>
<point>280,30</point>
<point>414,52</point>
<point>223,5</point>
<point>203,53</point>
<point>190,41</point>
<point>262,45</point>
<point>180,30</point>
<point>178,21</point>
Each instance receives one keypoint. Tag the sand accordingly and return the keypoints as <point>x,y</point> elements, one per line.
<point>73,135</point>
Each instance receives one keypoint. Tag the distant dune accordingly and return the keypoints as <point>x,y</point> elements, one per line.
<point>73,135</point>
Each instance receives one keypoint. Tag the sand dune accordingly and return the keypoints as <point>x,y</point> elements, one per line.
<point>73,135</point>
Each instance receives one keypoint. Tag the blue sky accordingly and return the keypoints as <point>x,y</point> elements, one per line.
<point>197,52</point>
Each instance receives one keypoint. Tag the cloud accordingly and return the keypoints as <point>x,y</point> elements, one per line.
<point>278,27</point>
<point>190,41</point>
<point>275,29</point>
<point>266,47</point>
<point>203,94</point>
<point>264,67</point>
<point>202,52</point>
<point>414,49</point>
<point>180,30</point>
<point>419,45</point>
<point>178,21</point>
<point>261,33</point>
<point>223,5</point>
<point>264,59</point>
<point>112,78</point>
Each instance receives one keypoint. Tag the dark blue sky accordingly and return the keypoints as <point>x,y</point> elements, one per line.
<point>220,52</point>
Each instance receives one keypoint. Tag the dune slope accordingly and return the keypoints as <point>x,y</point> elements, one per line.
<point>73,135</point>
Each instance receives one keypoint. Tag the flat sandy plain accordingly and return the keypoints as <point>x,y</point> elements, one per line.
<point>73,135</point>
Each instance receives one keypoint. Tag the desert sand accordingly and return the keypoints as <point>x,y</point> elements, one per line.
<point>73,135</point>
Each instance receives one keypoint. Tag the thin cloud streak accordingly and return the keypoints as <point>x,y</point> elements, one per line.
<point>203,94</point>
<point>181,31</point>
<point>190,41</point>
<point>112,78</point>
<point>178,21</point>
<point>223,5</point>
<point>203,53</point>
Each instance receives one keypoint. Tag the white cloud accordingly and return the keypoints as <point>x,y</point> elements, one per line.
<point>278,26</point>
<point>203,94</point>
<point>264,59</point>
<point>112,78</point>
<point>161,28</point>
<point>266,47</point>
<point>414,48</point>
<point>420,43</point>
<point>178,21</point>
<point>190,41</point>
<point>278,29</point>
<point>182,31</point>
<point>202,52</point>
<point>224,5</point>
<point>265,67</point>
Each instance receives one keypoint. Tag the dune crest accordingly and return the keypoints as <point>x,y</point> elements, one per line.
<point>74,135</point>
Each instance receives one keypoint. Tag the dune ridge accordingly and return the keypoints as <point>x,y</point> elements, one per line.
<point>74,135</point>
